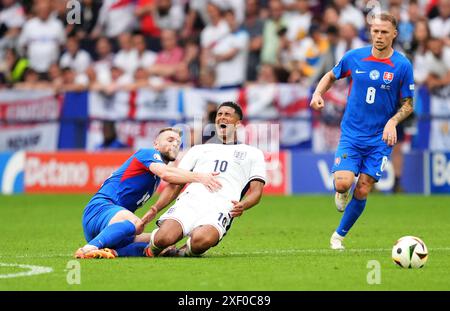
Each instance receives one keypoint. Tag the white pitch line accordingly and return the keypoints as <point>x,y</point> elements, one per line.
<point>33,270</point>
<point>260,252</point>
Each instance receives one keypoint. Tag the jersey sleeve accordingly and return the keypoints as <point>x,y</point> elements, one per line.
<point>189,159</point>
<point>407,86</point>
<point>342,69</point>
<point>258,169</point>
<point>148,156</point>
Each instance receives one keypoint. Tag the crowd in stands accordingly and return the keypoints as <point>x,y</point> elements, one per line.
<point>128,44</point>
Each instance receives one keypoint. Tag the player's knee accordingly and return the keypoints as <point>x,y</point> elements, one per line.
<point>201,243</point>
<point>164,239</point>
<point>362,190</point>
<point>342,185</point>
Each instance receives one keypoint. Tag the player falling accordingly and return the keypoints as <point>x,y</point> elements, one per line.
<point>203,216</point>
<point>381,79</point>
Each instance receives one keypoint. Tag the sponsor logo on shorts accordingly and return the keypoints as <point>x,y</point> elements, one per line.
<point>337,161</point>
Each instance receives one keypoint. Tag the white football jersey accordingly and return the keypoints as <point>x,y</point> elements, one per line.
<point>237,165</point>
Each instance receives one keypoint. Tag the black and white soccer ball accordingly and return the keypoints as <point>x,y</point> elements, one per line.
<point>410,252</point>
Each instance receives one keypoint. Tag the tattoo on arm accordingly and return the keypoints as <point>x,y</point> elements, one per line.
<point>405,110</point>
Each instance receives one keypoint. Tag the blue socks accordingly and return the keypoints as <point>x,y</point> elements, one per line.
<point>115,235</point>
<point>352,212</point>
<point>132,250</point>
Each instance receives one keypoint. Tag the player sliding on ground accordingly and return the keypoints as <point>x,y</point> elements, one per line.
<point>203,216</point>
<point>381,81</point>
<point>109,220</point>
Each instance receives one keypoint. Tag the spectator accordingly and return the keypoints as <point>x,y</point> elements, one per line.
<point>440,25</point>
<point>298,21</point>
<point>32,81</point>
<point>171,56</point>
<point>437,60</point>
<point>332,33</point>
<point>192,58</point>
<point>119,80</point>
<point>148,26</point>
<point>73,81</point>
<point>73,57</point>
<point>167,14</point>
<point>127,57</point>
<point>145,57</point>
<point>110,139</point>
<point>90,10</point>
<point>311,54</point>
<point>196,18</point>
<point>237,6</point>
<point>418,50</point>
<point>267,74</point>
<point>42,37</point>
<point>12,18</point>
<point>254,25</point>
<point>115,17</point>
<point>348,40</point>
<point>59,11</point>
<point>100,71</point>
<point>330,17</point>
<point>206,78</point>
<point>55,76</point>
<point>212,33</point>
<point>12,67</point>
<point>230,55</point>
<point>272,28</point>
<point>348,13</point>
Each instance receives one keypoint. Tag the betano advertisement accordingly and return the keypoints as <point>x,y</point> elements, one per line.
<point>296,172</point>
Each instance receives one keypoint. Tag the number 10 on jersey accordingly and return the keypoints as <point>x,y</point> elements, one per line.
<point>220,165</point>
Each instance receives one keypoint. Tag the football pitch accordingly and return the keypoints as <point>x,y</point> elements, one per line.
<point>281,244</point>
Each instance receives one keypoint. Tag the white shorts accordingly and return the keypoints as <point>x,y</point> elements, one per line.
<point>191,212</point>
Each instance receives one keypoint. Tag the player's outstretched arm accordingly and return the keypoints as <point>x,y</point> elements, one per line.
<point>169,194</point>
<point>253,198</point>
<point>390,129</point>
<point>324,85</point>
<point>174,175</point>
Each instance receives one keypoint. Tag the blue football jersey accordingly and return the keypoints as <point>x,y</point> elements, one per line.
<point>133,183</point>
<point>377,87</point>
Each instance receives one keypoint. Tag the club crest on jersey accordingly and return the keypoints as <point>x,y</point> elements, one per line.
<point>240,155</point>
<point>388,77</point>
<point>374,74</point>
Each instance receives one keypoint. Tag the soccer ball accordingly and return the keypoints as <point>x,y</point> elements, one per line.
<point>410,252</point>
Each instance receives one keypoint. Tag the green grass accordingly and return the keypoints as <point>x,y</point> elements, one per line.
<point>282,244</point>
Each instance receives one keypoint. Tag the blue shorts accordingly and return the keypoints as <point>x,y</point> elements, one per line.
<point>369,160</point>
<point>97,215</point>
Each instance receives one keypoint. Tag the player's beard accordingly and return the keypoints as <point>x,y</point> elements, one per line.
<point>166,157</point>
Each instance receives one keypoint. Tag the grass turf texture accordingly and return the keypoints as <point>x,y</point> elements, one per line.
<point>281,244</point>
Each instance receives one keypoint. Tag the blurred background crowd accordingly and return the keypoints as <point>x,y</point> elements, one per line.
<point>127,44</point>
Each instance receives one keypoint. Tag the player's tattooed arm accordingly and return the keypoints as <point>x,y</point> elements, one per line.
<point>390,131</point>
<point>405,110</point>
